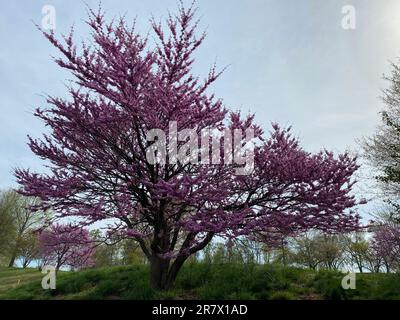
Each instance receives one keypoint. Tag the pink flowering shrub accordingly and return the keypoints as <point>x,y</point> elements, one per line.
<point>386,245</point>
<point>66,246</point>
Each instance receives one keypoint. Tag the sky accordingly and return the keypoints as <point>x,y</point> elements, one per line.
<point>288,61</point>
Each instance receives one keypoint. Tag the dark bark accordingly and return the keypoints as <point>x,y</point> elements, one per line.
<point>163,274</point>
<point>387,267</point>
<point>158,272</point>
<point>174,270</point>
<point>14,254</point>
<point>25,264</point>
<point>12,261</point>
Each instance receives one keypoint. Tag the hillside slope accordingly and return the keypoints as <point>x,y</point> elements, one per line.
<point>199,281</point>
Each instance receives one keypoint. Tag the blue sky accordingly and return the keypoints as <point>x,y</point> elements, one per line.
<point>289,61</point>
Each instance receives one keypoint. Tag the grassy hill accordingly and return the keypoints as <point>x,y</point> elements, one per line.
<point>11,278</point>
<point>199,281</point>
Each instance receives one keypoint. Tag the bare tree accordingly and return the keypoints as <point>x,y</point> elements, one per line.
<point>382,150</point>
<point>357,250</point>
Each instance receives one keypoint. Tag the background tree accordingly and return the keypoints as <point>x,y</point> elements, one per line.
<point>386,245</point>
<point>234,252</point>
<point>28,249</point>
<point>252,251</point>
<point>223,253</point>
<point>382,150</point>
<point>317,250</point>
<point>357,250</point>
<point>208,254</point>
<point>282,253</point>
<point>306,251</point>
<point>108,253</point>
<point>25,220</point>
<point>66,246</point>
<point>115,251</point>
<point>98,149</point>
<point>373,262</point>
<point>131,253</point>
<point>18,221</point>
<point>331,251</point>
<point>7,225</point>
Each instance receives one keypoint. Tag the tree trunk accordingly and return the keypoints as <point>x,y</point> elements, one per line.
<point>162,272</point>
<point>12,260</point>
<point>173,272</point>
<point>14,252</point>
<point>283,254</point>
<point>158,273</point>
<point>162,275</point>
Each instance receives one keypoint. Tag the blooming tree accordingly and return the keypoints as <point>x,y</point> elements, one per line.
<point>386,244</point>
<point>65,245</point>
<point>99,147</point>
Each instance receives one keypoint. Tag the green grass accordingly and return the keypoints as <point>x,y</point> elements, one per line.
<point>199,281</point>
<point>11,278</point>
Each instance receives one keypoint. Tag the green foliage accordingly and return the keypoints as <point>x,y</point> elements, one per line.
<point>318,251</point>
<point>12,278</point>
<point>8,227</point>
<point>328,284</point>
<point>131,253</point>
<point>104,283</point>
<point>282,295</point>
<point>379,286</point>
<point>382,149</point>
<point>120,252</point>
<point>28,249</point>
<point>387,288</point>
<point>200,281</point>
<point>17,222</point>
<point>243,251</point>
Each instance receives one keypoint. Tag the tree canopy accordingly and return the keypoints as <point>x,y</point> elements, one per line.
<point>98,151</point>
